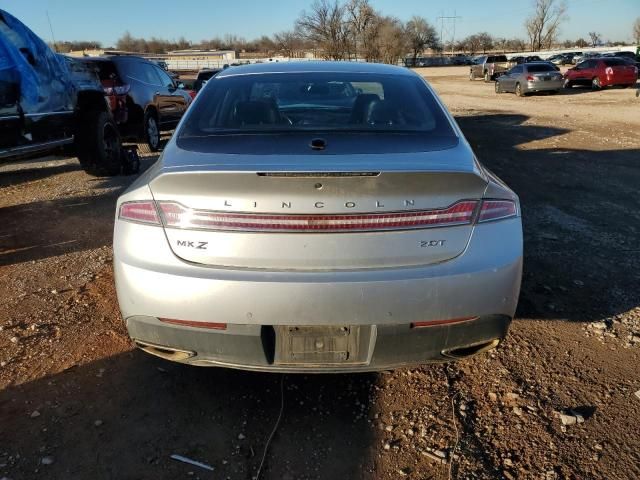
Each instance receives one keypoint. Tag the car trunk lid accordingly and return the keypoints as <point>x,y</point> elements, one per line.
<point>348,218</point>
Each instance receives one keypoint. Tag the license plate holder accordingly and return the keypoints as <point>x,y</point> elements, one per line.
<point>323,345</point>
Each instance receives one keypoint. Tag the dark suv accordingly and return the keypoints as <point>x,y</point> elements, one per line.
<point>144,99</point>
<point>204,76</point>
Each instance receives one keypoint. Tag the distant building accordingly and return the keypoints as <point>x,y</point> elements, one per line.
<point>190,59</point>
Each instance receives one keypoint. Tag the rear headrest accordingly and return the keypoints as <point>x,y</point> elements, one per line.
<point>361,106</point>
<point>257,112</point>
<point>382,113</point>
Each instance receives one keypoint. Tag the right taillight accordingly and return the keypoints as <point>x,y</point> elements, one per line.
<point>117,90</point>
<point>496,210</point>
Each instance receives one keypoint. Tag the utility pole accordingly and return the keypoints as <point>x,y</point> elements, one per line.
<point>452,19</point>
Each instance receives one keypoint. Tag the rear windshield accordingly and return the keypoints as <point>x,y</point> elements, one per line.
<point>106,70</point>
<point>614,62</point>
<point>540,68</point>
<point>497,58</point>
<point>315,102</point>
<point>207,75</point>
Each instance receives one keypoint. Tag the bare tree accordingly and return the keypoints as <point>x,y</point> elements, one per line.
<point>486,41</point>
<point>69,46</point>
<point>325,27</point>
<point>361,18</point>
<point>420,35</point>
<point>474,43</point>
<point>581,43</point>
<point>595,38</point>
<point>636,30</point>
<point>543,26</point>
<point>393,45</point>
<point>516,45</point>
<point>289,43</point>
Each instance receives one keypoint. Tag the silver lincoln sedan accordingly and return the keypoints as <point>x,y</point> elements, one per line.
<point>317,217</point>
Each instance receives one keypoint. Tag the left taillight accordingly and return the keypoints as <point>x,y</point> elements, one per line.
<point>140,212</point>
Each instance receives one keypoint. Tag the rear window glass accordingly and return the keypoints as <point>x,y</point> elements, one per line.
<point>497,58</point>
<point>540,68</point>
<point>105,70</point>
<point>614,62</point>
<point>281,102</point>
<point>207,75</point>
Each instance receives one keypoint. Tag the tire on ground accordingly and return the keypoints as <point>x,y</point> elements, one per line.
<point>153,143</point>
<point>98,144</point>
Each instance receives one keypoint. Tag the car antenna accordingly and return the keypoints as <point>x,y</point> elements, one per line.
<point>53,38</point>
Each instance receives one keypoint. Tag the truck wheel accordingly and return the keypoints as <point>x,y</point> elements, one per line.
<point>487,77</point>
<point>98,144</point>
<point>151,131</point>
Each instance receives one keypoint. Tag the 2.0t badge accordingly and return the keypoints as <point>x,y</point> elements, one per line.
<point>432,243</point>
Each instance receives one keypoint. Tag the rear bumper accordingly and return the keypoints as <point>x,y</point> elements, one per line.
<point>484,282</point>
<point>252,347</point>
<point>548,86</point>
<point>610,80</point>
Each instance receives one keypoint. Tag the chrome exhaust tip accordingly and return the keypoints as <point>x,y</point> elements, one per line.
<point>168,353</point>
<point>467,351</point>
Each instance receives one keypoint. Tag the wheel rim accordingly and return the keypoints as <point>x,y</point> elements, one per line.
<point>111,144</point>
<point>518,90</point>
<point>152,132</point>
<point>596,83</point>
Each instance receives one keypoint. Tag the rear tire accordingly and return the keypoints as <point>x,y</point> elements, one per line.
<point>98,145</point>
<point>596,84</point>
<point>498,87</point>
<point>151,131</point>
<point>519,91</point>
<point>567,84</point>
<point>487,77</point>
<point>472,76</point>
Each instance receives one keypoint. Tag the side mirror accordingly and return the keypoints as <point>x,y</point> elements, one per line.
<point>180,85</point>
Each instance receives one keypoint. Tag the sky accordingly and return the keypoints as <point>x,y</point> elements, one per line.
<point>107,20</point>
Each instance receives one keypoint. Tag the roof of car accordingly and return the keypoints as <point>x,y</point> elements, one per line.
<point>314,67</point>
<point>109,58</point>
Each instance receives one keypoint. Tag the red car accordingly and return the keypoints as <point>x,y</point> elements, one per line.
<point>601,72</point>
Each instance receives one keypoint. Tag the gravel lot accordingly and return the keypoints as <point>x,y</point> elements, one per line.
<point>557,400</point>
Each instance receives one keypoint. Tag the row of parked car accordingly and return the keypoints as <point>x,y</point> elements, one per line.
<point>524,75</point>
<point>88,105</point>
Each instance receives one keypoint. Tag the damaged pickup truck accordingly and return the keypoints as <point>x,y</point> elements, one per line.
<point>48,101</point>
